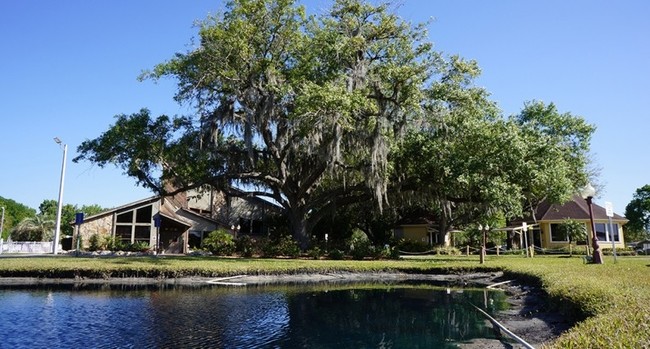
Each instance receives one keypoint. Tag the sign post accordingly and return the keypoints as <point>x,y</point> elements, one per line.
<point>609,210</point>
<point>78,220</point>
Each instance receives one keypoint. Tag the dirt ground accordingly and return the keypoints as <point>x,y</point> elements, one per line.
<point>528,316</point>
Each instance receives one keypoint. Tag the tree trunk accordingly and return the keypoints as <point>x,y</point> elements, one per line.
<point>298,223</point>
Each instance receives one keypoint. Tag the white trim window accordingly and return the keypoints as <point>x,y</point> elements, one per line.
<point>134,225</point>
<point>602,232</point>
<point>557,235</point>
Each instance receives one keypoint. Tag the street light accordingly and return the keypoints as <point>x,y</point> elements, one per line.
<point>588,193</point>
<point>235,229</point>
<point>484,231</point>
<point>524,228</point>
<point>57,230</point>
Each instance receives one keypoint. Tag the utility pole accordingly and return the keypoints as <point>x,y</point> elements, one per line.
<point>2,221</point>
<point>57,231</point>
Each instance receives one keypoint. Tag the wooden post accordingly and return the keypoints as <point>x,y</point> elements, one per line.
<point>498,247</point>
<point>467,250</point>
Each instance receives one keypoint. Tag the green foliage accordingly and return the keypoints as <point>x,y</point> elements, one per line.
<point>359,245</point>
<point>325,98</point>
<point>315,252</point>
<point>96,243</point>
<point>447,251</point>
<point>138,246</point>
<point>413,246</point>
<point>48,208</point>
<point>114,244</point>
<point>219,242</point>
<point>336,254</point>
<point>245,245</point>
<point>283,246</point>
<point>638,214</point>
<point>37,228</point>
<point>14,214</point>
<point>287,247</point>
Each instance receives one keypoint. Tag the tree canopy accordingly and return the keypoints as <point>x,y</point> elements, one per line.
<point>638,214</point>
<point>319,112</point>
<point>14,213</point>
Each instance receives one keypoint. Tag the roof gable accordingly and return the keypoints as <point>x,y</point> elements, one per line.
<point>576,208</point>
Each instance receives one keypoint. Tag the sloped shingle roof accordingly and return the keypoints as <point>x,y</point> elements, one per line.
<point>576,208</point>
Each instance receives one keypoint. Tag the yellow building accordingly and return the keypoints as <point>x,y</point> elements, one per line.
<point>545,229</point>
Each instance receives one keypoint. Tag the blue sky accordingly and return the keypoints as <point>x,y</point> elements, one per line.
<point>68,66</point>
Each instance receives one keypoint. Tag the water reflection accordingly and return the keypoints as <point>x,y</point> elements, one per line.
<point>394,316</point>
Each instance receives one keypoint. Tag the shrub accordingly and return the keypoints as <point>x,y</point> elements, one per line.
<point>336,254</point>
<point>138,246</point>
<point>245,245</point>
<point>287,246</point>
<point>95,243</point>
<point>219,242</point>
<point>112,243</point>
<point>315,252</point>
<point>450,251</point>
<point>413,246</point>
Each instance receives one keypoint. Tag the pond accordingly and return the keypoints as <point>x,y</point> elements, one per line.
<point>401,315</point>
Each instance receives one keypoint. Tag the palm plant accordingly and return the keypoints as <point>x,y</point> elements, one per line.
<point>37,228</point>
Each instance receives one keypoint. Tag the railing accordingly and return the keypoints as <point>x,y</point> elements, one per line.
<point>37,247</point>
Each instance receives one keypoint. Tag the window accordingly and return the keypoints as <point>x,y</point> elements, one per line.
<point>603,233</point>
<point>142,233</point>
<point>143,215</point>
<point>123,233</point>
<point>134,225</point>
<point>126,217</point>
<point>558,234</point>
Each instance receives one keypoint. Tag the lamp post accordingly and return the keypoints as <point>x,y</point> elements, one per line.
<point>235,229</point>
<point>57,230</point>
<point>588,193</point>
<point>483,231</point>
<point>524,228</point>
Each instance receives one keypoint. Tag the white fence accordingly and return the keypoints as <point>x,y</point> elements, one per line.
<point>26,247</point>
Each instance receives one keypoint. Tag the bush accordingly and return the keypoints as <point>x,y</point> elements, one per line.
<point>361,250</point>
<point>219,242</point>
<point>288,247</point>
<point>95,243</point>
<point>283,246</point>
<point>449,251</point>
<point>336,254</point>
<point>245,245</point>
<point>413,246</point>
<point>112,243</point>
<point>138,246</point>
<point>315,252</point>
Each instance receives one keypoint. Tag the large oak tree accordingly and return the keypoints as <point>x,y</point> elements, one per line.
<point>299,109</point>
<point>316,113</point>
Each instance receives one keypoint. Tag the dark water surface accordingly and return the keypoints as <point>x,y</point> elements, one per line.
<point>352,316</point>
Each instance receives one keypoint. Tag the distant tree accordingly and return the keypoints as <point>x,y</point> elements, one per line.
<point>36,228</point>
<point>14,214</point>
<point>469,163</point>
<point>638,214</point>
<point>48,208</point>
<point>91,210</point>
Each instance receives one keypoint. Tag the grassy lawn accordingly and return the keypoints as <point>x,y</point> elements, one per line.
<point>614,296</point>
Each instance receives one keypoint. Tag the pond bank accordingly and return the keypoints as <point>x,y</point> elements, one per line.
<point>528,317</point>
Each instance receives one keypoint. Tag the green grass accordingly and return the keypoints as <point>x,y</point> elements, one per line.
<point>613,297</point>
